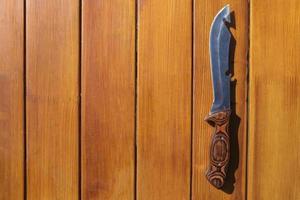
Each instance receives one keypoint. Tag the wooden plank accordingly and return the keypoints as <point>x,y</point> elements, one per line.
<point>108,99</point>
<point>274,160</point>
<point>164,99</point>
<point>52,98</point>
<point>12,100</point>
<point>234,188</point>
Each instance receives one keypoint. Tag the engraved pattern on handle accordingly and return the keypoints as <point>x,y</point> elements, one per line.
<point>219,148</point>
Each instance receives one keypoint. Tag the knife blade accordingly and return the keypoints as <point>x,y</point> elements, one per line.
<point>219,46</point>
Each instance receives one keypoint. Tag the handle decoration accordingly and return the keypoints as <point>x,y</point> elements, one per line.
<point>219,148</point>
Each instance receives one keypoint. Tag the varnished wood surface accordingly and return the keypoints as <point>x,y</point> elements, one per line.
<point>173,97</point>
<point>234,188</point>
<point>274,162</point>
<point>164,99</point>
<point>11,100</point>
<point>52,98</point>
<point>108,99</point>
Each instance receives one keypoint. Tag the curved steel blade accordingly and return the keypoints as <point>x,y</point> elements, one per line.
<point>219,42</point>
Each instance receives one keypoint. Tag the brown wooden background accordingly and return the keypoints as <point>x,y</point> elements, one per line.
<point>105,99</point>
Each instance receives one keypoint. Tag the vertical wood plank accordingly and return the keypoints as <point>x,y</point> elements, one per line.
<point>204,12</point>
<point>164,99</point>
<point>52,98</point>
<point>274,160</point>
<point>108,99</point>
<point>12,100</point>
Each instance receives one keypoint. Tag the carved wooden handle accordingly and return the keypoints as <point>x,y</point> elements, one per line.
<point>219,149</point>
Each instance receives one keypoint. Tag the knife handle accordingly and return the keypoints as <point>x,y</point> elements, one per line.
<point>219,148</point>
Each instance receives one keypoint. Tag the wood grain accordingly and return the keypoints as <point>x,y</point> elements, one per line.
<point>12,100</point>
<point>274,160</point>
<point>219,149</point>
<point>234,188</point>
<point>108,99</point>
<point>164,99</point>
<point>52,98</point>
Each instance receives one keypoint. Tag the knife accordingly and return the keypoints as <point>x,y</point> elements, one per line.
<point>218,117</point>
